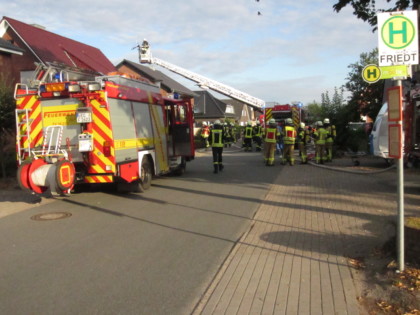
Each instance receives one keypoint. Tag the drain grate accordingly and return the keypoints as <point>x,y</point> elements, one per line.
<point>51,216</point>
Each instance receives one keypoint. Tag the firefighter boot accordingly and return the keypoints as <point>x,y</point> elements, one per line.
<point>221,167</point>
<point>216,169</point>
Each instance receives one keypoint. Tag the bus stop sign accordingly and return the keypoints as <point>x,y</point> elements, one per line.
<point>397,38</point>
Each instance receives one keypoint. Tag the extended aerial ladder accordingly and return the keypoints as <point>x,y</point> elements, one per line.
<point>203,82</point>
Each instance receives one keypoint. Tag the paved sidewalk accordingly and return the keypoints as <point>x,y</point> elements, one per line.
<point>295,257</point>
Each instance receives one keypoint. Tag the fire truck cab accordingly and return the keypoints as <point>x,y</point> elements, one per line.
<point>113,129</point>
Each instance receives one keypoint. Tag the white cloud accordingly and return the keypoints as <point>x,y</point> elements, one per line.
<point>295,50</point>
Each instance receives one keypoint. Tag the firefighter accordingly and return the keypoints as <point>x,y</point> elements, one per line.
<point>303,138</point>
<point>228,134</point>
<point>279,144</point>
<point>271,136</point>
<point>248,136</point>
<point>216,140</point>
<point>320,135</point>
<point>257,133</point>
<point>289,139</point>
<point>205,132</point>
<point>234,132</point>
<point>330,139</point>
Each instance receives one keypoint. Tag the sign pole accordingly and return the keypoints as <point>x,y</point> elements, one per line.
<point>398,45</point>
<point>400,228</point>
<point>395,141</point>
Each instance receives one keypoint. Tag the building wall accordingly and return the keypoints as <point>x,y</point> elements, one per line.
<point>6,69</point>
<point>13,64</point>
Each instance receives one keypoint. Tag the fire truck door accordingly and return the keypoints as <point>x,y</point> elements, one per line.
<point>181,129</point>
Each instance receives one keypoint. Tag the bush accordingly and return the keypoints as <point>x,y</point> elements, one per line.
<point>7,132</point>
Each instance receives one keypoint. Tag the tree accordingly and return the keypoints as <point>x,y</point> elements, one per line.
<point>7,105</point>
<point>366,9</point>
<point>7,129</point>
<point>313,112</point>
<point>331,107</point>
<point>365,99</point>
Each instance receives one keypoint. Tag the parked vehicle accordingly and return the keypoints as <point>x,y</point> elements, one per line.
<point>112,129</point>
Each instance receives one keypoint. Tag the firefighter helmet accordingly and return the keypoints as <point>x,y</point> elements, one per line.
<point>326,121</point>
<point>217,122</point>
<point>289,121</point>
<point>302,125</point>
<point>204,123</point>
<point>319,123</point>
<point>272,121</point>
<point>249,123</point>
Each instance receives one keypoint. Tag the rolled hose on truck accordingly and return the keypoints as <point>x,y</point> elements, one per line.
<point>37,176</point>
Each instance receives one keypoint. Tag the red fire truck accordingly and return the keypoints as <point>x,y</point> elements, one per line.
<point>112,129</point>
<point>281,112</point>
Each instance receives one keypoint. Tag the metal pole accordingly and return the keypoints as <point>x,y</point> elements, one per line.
<point>400,226</point>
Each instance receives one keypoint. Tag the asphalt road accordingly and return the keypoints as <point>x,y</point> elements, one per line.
<point>150,253</point>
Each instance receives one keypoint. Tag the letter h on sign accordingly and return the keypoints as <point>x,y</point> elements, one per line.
<point>393,32</point>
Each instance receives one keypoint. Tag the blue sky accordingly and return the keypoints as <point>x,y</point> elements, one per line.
<point>294,51</point>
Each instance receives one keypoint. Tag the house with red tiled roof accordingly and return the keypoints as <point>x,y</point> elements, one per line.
<point>44,47</point>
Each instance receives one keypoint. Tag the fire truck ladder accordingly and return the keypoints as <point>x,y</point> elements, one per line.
<point>52,142</point>
<point>55,72</point>
<point>23,131</point>
<point>203,82</point>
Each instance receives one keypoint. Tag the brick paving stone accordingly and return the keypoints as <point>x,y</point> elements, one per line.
<point>294,258</point>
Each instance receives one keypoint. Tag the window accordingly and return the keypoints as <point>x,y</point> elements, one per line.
<point>230,109</point>
<point>26,77</point>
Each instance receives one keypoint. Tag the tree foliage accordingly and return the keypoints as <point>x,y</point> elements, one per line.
<point>366,9</point>
<point>365,99</point>
<point>7,129</point>
<point>7,105</point>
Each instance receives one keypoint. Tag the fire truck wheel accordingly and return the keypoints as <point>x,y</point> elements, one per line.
<point>146,174</point>
<point>65,175</point>
<point>23,176</point>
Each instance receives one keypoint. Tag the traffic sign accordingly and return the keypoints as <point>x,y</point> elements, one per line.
<point>371,73</point>
<point>397,35</point>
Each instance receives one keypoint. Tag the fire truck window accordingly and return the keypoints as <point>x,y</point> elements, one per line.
<point>180,115</point>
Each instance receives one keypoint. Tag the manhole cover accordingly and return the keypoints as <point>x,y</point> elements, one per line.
<point>51,216</point>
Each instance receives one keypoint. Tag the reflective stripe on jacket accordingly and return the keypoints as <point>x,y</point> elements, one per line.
<point>248,132</point>
<point>320,135</point>
<point>331,132</point>
<point>289,135</point>
<point>217,138</point>
<point>258,131</point>
<point>271,135</point>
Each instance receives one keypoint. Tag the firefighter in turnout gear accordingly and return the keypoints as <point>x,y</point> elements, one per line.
<point>248,137</point>
<point>289,139</point>
<point>205,133</point>
<point>330,139</point>
<point>257,133</point>
<point>303,138</point>
<point>228,134</point>
<point>320,135</point>
<point>216,139</point>
<point>271,135</point>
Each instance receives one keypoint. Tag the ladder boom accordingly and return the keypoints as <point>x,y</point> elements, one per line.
<point>203,82</point>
